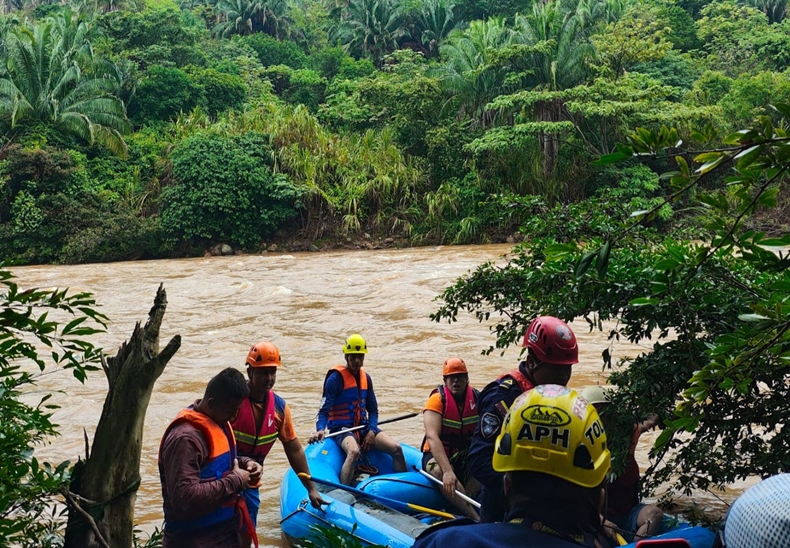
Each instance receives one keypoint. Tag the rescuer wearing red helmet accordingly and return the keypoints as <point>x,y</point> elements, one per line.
<point>263,418</point>
<point>553,456</point>
<point>551,352</point>
<point>450,417</point>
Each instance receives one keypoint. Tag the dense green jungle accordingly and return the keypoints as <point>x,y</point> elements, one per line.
<point>634,151</point>
<point>145,129</point>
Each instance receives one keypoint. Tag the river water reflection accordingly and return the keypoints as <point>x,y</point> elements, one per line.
<point>307,303</point>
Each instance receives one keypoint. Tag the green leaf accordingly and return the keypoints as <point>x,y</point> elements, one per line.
<point>711,165</point>
<point>584,264</point>
<point>614,157</point>
<point>556,252</point>
<point>748,156</point>
<point>782,108</point>
<point>752,317</point>
<point>667,263</point>
<point>643,301</point>
<point>602,262</point>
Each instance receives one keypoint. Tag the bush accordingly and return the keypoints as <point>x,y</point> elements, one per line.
<point>749,96</point>
<point>225,190</point>
<point>304,86</point>
<point>165,92</point>
<point>274,52</point>
<point>156,35</point>
<point>334,61</point>
<point>221,91</point>
<point>77,229</point>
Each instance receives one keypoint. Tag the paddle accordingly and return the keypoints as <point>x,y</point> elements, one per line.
<point>470,500</point>
<point>394,419</point>
<point>392,503</point>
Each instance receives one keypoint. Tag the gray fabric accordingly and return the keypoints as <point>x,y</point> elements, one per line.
<point>760,518</point>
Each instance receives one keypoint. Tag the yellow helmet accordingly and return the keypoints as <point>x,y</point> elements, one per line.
<point>355,344</point>
<point>552,430</point>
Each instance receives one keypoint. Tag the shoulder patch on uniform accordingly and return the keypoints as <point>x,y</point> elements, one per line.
<point>489,425</point>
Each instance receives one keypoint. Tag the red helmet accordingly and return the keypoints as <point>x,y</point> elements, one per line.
<point>552,341</point>
<point>263,354</point>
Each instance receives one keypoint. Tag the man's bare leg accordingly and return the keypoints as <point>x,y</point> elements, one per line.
<point>351,447</point>
<point>388,445</point>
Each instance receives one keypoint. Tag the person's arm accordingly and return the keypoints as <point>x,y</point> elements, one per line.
<point>333,386</point>
<point>493,408</point>
<point>433,429</point>
<point>649,423</point>
<point>182,455</point>
<point>296,458</point>
<point>372,406</point>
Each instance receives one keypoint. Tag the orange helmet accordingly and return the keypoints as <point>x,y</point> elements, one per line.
<point>454,366</point>
<point>263,354</point>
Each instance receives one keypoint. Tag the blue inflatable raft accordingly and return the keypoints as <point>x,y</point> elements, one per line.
<point>373,523</point>
<point>368,521</point>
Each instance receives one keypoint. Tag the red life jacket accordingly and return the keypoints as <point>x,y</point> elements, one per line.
<point>250,443</point>
<point>222,453</point>
<point>520,378</point>
<point>457,427</point>
<point>349,408</point>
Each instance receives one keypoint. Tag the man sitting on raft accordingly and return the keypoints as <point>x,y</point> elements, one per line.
<point>348,401</point>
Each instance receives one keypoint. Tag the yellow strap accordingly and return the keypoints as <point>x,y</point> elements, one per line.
<point>430,511</point>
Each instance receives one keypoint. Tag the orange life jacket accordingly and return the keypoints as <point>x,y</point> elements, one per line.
<point>348,409</point>
<point>222,453</point>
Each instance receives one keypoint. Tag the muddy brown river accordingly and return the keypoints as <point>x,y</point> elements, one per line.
<point>307,304</point>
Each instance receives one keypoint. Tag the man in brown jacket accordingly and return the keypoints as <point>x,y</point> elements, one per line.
<point>202,478</point>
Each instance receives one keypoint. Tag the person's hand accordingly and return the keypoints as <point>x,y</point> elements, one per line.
<point>611,531</point>
<point>242,473</point>
<point>316,501</point>
<point>448,482</point>
<point>255,471</point>
<point>317,436</point>
<point>652,421</point>
<point>368,441</point>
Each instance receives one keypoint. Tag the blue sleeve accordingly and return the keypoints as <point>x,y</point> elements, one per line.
<point>373,408</point>
<point>493,401</point>
<point>333,386</point>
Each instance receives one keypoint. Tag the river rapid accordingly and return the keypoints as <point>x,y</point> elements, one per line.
<point>307,304</point>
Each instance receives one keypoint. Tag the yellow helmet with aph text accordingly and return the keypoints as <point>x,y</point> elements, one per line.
<point>263,354</point>
<point>454,366</point>
<point>553,430</point>
<point>355,344</point>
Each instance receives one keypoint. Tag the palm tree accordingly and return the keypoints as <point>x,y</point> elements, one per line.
<point>434,24</point>
<point>370,28</point>
<point>276,18</point>
<point>239,15</point>
<point>775,10</point>
<point>45,83</point>
<point>469,76</point>
<point>562,65</point>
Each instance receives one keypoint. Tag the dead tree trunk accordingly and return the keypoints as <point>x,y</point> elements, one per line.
<point>104,486</point>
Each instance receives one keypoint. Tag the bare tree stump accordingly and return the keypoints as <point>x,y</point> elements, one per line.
<point>104,486</point>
